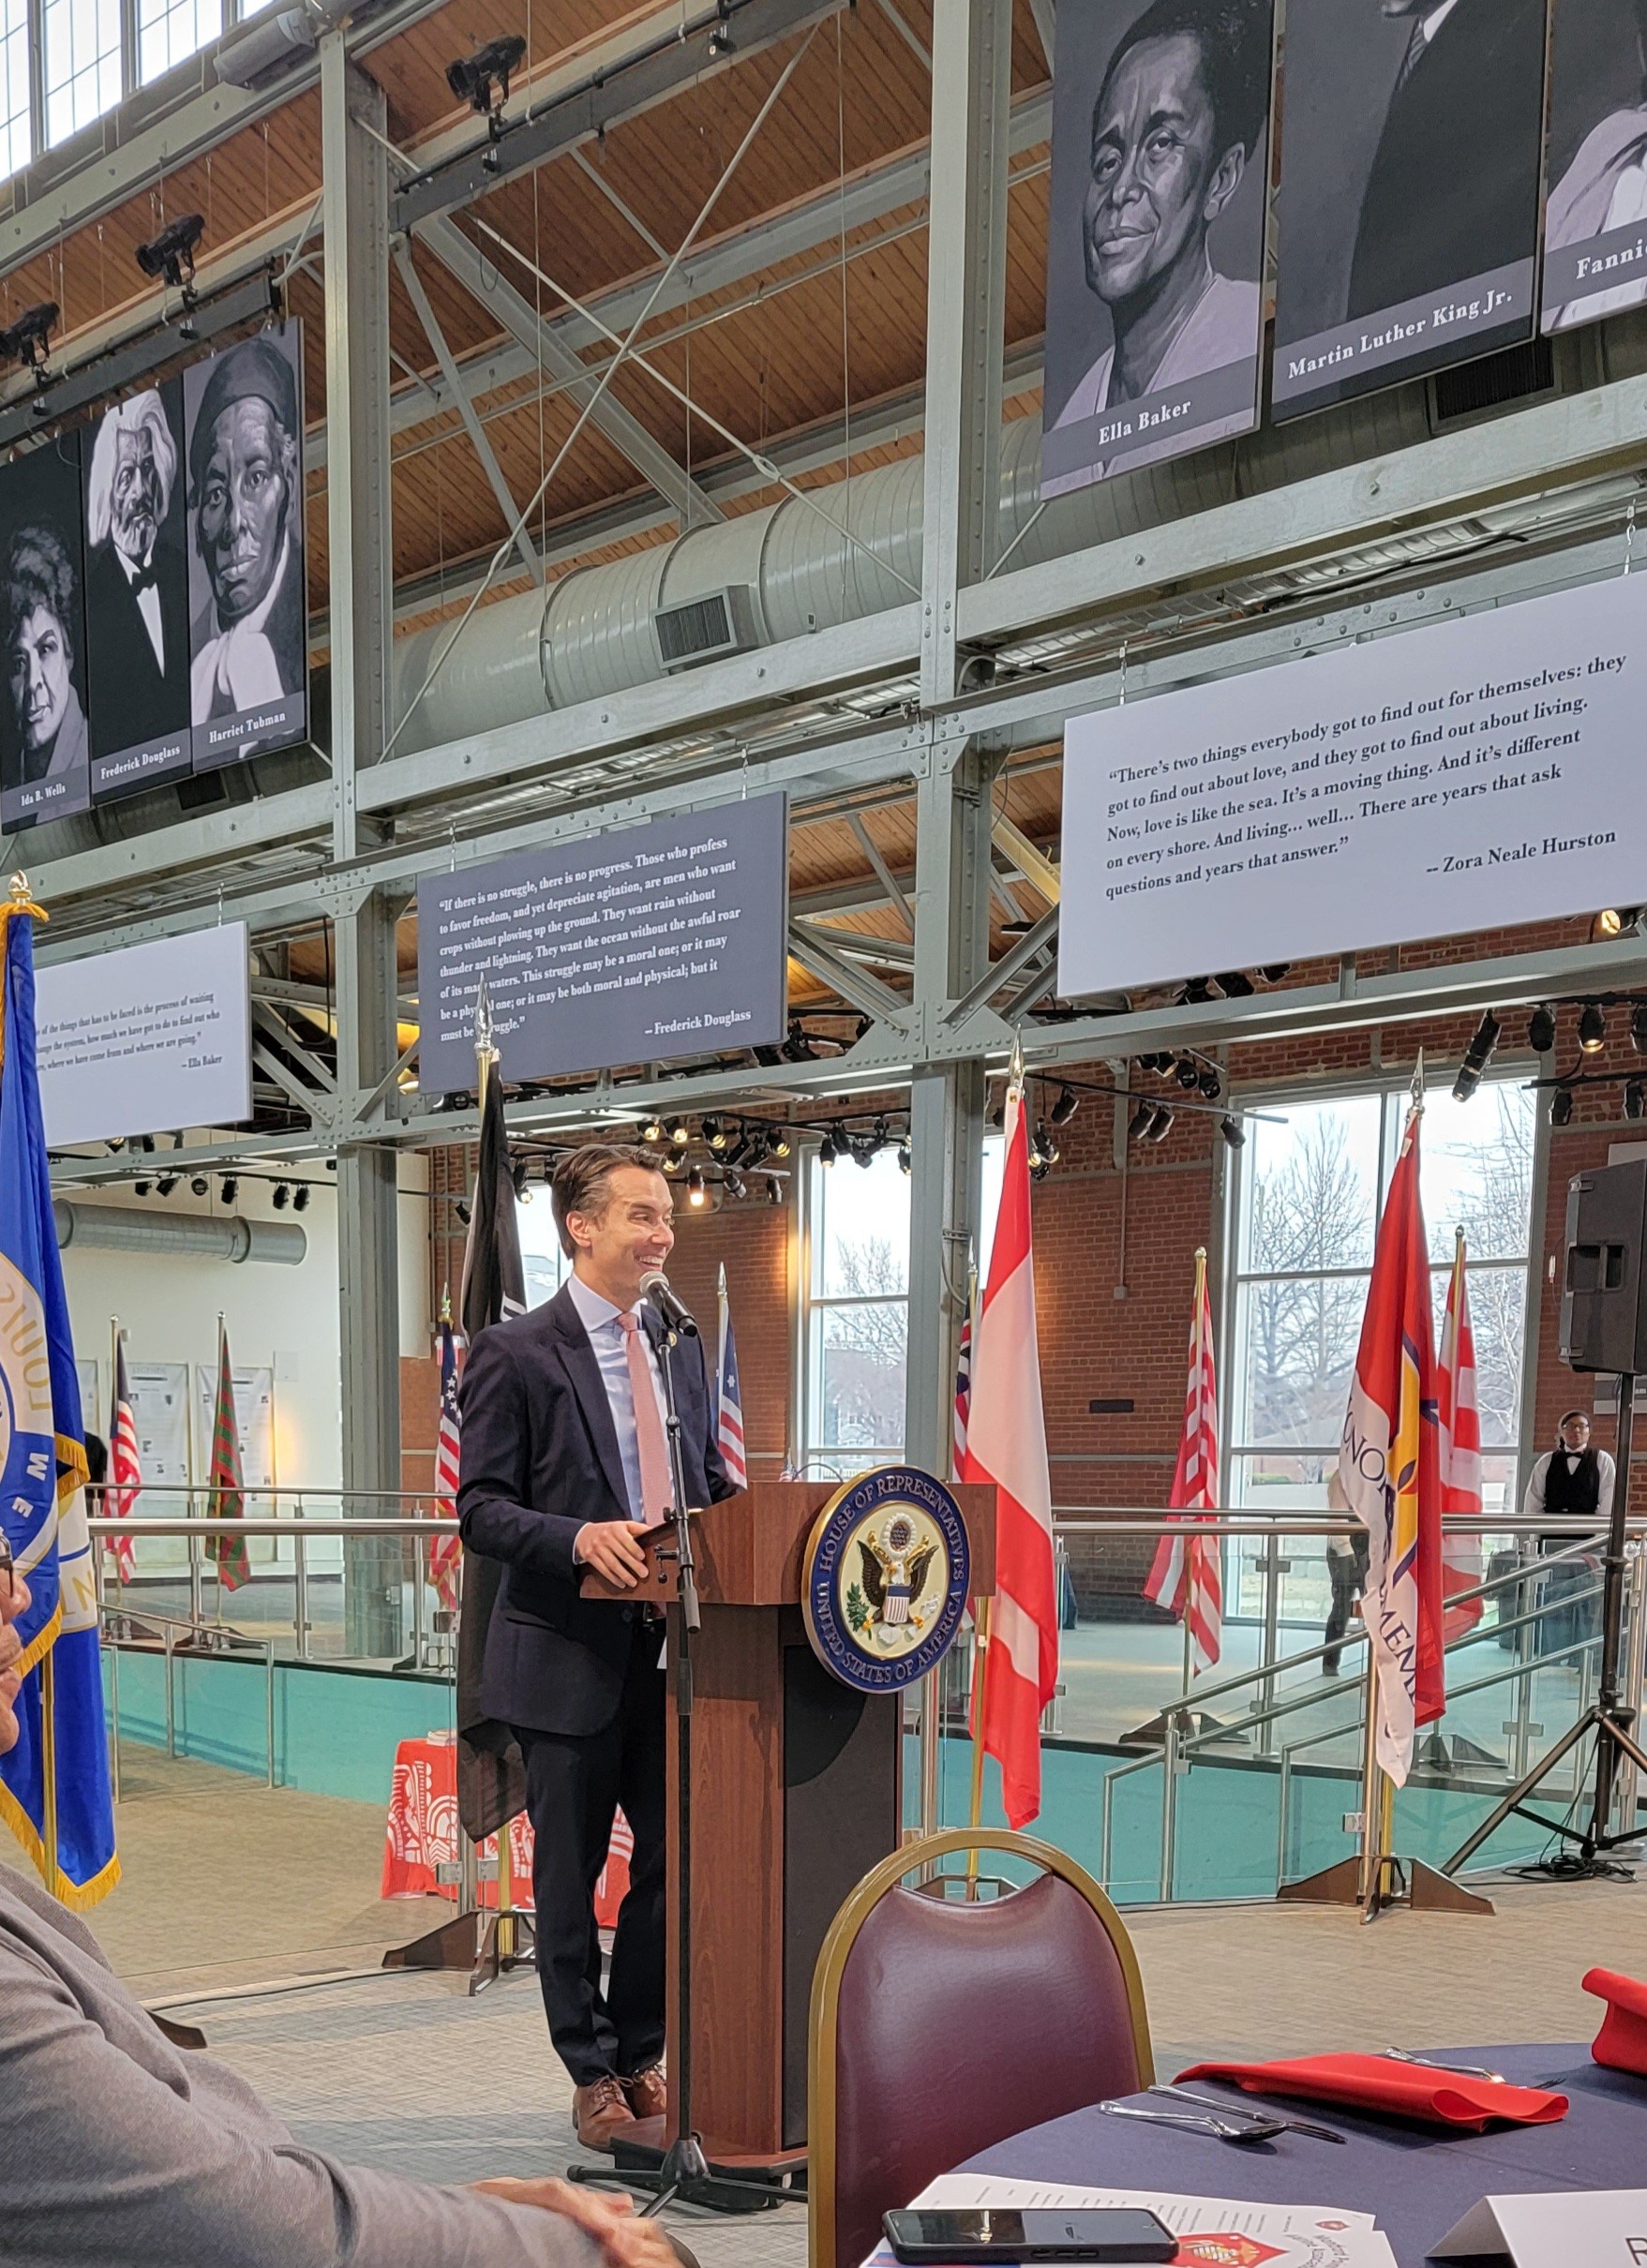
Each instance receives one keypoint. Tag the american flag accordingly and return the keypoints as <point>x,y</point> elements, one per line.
<point>125,1477</point>
<point>729,1398</point>
<point>1187,1577</point>
<point>446,1552</point>
<point>1461,1451</point>
<point>963,1390</point>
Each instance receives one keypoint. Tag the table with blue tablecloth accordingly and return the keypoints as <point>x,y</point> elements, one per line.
<point>1418,2181</point>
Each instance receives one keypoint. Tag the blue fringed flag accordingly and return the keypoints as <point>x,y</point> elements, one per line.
<point>54,1784</point>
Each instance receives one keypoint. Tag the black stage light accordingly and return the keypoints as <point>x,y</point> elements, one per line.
<point>1560,1108</point>
<point>230,1190</point>
<point>200,1185</point>
<point>1541,1030</point>
<point>1162,1126</point>
<point>696,1194</point>
<point>863,1149</point>
<point>145,1143</point>
<point>171,254</point>
<point>721,42</point>
<point>463,1211</point>
<point>1276,971</point>
<point>520,1171</point>
<point>715,1134</point>
<point>734,1182</point>
<point>1196,991</point>
<point>116,1142</point>
<point>141,1189</point>
<point>827,1150</point>
<point>482,80</point>
<point>300,1198</point>
<point>1478,1055</point>
<point>674,1163</point>
<point>906,1156</point>
<point>167,1183</point>
<point>653,1131</point>
<point>1210,1083</point>
<point>680,1133</point>
<point>1234,1132</point>
<point>1046,1143</point>
<point>1635,1098</point>
<point>1592,1028</point>
<point>1234,984</point>
<point>281,1198</point>
<point>1638,1027</point>
<point>1188,1073</point>
<point>1465,1084</point>
<point>777,1141</point>
<point>1141,1121</point>
<point>1065,1107</point>
<point>774,1190</point>
<point>28,340</point>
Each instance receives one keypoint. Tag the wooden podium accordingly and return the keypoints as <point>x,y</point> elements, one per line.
<point>796,1792</point>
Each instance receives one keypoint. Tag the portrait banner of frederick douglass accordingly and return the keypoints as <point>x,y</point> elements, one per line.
<point>248,591</point>
<point>1155,248</point>
<point>137,592</point>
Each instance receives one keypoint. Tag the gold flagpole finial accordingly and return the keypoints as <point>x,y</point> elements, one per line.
<point>1015,1069</point>
<point>22,900</point>
<point>1418,1086</point>
<point>445,1303</point>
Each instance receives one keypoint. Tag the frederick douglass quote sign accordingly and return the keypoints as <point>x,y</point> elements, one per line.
<point>1479,772</point>
<point>667,939</point>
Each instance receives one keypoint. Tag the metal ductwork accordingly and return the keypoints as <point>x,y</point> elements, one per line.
<point>123,1228</point>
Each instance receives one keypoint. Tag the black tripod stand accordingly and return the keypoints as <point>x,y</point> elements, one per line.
<point>681,2175</point>
<point>1607,1717</point>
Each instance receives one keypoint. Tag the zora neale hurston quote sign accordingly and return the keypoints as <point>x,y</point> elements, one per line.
<point>1470,776</point>
<point>667,939</point>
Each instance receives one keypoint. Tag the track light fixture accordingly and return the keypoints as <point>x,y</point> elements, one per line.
<point>300,1198</point>
<point>1141,1121</point>
<point>1592,1028</point>
<point>1196,991</point>
<point>167,1183</point>
<point>230,1190</point>
<point>169,256</point>
<point>1541,1030</point>
<point>721,42</point>
<point>906,1156</point>
<point>827,1150</point>
<point>1276,971</point>
<point>1638,1027</point>
<point>1234,1132</point>
<point>1478,1055</point>
<point>1188,1073</point>
<point>482,80</point>
<point>734,1183</point>
<point>674,1163</point>
<point>1635,1098</point>
<point>200,1185</point>
<point>714,1134</point>
<point>1046,1143</point>
<point>518,1170</point>
<point>680,1133</point>
<point>28,340</point>
<point>1065,1107</point>
<point>774,1190</point>
<point>1162,1124</point>
<point>1234,984</point>
<point>1561,1106</point>
<point>864,1151</point>
<point>1210,1082</point>
<point>281,1198</point>
<point>652,1130</point>
<point>465,1211</point>
<point>778,1143</point>
<point>695,1193</point>
<point>141,1189</point>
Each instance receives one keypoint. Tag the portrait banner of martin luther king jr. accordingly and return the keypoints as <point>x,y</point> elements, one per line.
<point>137,594</point>
<point>1407,213</point>
<point>1155,248</point>
<point>249,633</point>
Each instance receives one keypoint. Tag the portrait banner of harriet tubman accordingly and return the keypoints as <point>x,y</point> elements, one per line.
<point>1155,246</point>
<point>1407,212</point>
<point>247,593</point>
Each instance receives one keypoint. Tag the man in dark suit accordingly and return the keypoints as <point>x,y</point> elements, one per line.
<point>565,1463</point>
<point>137,581</point>
<point>1453,192</point>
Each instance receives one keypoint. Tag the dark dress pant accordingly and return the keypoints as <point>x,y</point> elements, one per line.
<point>574,1784</point>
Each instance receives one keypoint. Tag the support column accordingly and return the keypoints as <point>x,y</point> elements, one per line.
<point>355,210</point>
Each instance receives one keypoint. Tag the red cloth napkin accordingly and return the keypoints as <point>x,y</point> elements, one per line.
<point>1378,2082</point>
<point>1622,2040</point>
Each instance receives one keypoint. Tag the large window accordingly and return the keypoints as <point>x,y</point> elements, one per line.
<point>170,31</point>
<point>83,77</point>
<point>93,53</point>
<point>542,1263</point>
<point>14,86</point>
<point>1311,1185</point>
<point>857,1298</point>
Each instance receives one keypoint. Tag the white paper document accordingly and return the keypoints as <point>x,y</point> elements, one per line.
<point>1557,2228</point>
<point>1215,2232</point>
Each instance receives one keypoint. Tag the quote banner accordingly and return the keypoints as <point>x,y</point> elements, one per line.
<point>1471,775</point>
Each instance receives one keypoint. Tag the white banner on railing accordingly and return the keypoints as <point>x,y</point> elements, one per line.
<point>1464,777</point>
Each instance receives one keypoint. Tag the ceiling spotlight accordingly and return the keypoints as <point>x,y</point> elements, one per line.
<point>715,1134</point>
<point>482,80</point>
<point>300,1198</point>
<point>1607,925</point>
<point>116,1142</point>
<point>1188,1073</point>
<point>281,1198</point>
<point>1478,1055</point>
<point>167,1183</point>
<point>1635,1098</point>
<point>652,1130</point>
<point>674,1163</point>
<point>721,42</point>
<point>464,1211</point>
<point>778,1142</point>
<point>695,1192</point>
<point>1141,1121</point>
<point>774,1190</point>
<point>1046,1143</point>
<point>906,1156</point>
<point>827,1150</point>
<point>1236,985</point>
<point>734,1183</point>
<point>171,254</point>
<point>145,1143</point>
<point>518,1170</point>
<point>28,340</point>
<point>864,1150</point>
<point>1210,1082</point>
<point>1465,1084</point>
<point>1541,1030</point>
<point>142,1188</point>
<point>230,1190</point>
<point>680,1133</point>
<point>1234,1132</point>
<point>1162,1124</point>
<point>1274,973</point>
<point>1591,1029</point>
<point>1638,1027</point>
<point>1561,1106</point>
<point>200,1185</point>
<point>1196,991</point>
<point>1065,1107</point>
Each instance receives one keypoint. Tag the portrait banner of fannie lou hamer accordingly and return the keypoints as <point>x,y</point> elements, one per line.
<point>1155,248</point>
<point>1595,207</point>
<point>248,629</point>
<point>1407,213</point>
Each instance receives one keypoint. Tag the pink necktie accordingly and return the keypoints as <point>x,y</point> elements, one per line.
<point>649,1425</point>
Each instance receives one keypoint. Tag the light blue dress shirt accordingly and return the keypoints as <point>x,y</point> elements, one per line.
<point>607,1336</point>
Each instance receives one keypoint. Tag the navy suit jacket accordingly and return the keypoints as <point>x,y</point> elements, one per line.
<point>539,1458</point>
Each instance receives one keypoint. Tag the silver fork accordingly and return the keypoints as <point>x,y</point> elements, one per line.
<point>1426,2062</point>
<point>1239,2111</point>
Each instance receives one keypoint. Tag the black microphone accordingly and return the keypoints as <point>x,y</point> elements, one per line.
<point>654,1286</point>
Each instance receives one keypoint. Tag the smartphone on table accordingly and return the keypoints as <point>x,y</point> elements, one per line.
<point>948,2235</point>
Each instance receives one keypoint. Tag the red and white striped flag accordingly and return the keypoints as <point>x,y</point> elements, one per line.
<point>446,1552</point>
<point>1006,1445</point>
<point>126,1472</point>
<point>963,1390</point>
<point>729,1395</point>
<point>1186,1576</point>
<point>1460,1419</point>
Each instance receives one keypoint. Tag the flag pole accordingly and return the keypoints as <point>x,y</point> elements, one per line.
<point>486,1056</point>
<point>49,1768</point>
<point>114,1408</point>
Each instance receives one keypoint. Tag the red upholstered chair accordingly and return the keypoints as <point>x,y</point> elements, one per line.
<point>940,2026</point>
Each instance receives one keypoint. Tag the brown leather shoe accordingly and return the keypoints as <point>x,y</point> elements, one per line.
<point>601,2113</point>
<point>645,2092</point>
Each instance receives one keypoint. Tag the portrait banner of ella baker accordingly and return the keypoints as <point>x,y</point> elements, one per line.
<point>45,757</point>
<point>1154,244</point>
